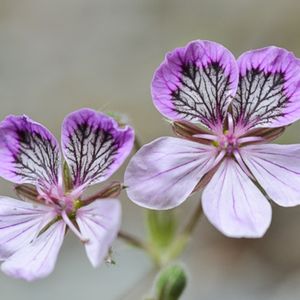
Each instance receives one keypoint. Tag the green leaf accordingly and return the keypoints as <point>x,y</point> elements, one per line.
<point>171,283</point>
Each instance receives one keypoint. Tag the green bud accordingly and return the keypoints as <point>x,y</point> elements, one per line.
<point>171,283</point>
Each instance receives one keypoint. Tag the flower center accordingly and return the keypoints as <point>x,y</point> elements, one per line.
<point>227,142</point>
<point>61,200</point>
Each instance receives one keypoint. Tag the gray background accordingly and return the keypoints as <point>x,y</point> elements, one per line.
<point>60,55</point>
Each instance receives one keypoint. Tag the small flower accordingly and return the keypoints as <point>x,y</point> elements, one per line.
<point>31,233</point>
<point>241,106</point>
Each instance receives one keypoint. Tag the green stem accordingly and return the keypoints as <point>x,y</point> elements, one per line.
<point>183,238</point>
<point>137,243</point>
<point>191,225</point>
<point>175,249</point>
<point>132,240</point>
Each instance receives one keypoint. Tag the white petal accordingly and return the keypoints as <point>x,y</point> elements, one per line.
<point>234,204</point>
<point>165,172</point>
<point>99,222</point>
<point>20,222</point>
<point>277,170</point>
<point>36,260</point>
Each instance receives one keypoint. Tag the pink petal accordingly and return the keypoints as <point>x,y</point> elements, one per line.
<point>234,205</point>
<point>277,170</point>
<point>94,145</point>
<point>196,83</point>
<point>36,260</point>
<point>99,222</point>
<point>20,223</point>
<point>29,153</point>
<point>164,173</point>
<point>269,88</point>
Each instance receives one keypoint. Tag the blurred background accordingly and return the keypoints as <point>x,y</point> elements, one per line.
<point>60,55</point>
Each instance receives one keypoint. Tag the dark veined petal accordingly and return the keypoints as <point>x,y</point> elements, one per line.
<point>99,222</point>
<point>234,205</point>
<point>277,170</point>
<point>269,88</point>
<point>20,222</point>
<point>29,153</point>
<point>37,259</point>
<point>196,83</point>
<point>94,145</point>
<point>162,174</point>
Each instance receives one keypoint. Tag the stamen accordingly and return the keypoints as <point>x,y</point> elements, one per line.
<point>206,137</point>
<point>250,139</point>
<point>72,227</point>
<point>242,164</point>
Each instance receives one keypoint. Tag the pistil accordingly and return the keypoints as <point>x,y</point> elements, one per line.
<point>73,227</point>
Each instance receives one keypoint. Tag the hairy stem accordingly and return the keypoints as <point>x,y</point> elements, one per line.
<point>174,250</point>
<point>183,238</point>
<point>190,226</point>
<point>132,240</point>
<point>137,243</point>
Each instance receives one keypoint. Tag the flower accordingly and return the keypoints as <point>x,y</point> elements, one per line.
<point>242,105</point>
<point>31,233</point>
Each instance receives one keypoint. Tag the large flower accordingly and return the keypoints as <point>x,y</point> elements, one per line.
<point>31,233</point>
<point>241,106</point>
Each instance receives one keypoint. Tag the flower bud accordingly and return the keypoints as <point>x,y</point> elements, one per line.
<point>171,283</point>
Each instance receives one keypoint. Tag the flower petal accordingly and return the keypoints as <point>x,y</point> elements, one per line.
<point>20,223</point>
<point>94,145</point>
<point>269,88</point>
<point>234,205</point>
<point>196,83</point>
<point>99,222</point>
<point>29,153</point>
<point>164,173</point>
<point>36,260</point>
<point>277,170</point>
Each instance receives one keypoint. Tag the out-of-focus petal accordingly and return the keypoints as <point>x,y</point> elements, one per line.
<point>164,173</point>
<point>29,153</point>
<point>36,260</point>
<point>277,170</point>
<point>234,205</point>
<point>20,223</point>
<point>99,222</point>
<point>94,145</point>
<point>196,83</point>
<point>269,88</point>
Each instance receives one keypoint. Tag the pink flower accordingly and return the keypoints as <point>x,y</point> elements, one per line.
<point>31,233</point>
<point>241,105</point>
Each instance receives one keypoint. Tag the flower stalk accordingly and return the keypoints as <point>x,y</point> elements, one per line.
<point>162,224</point>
